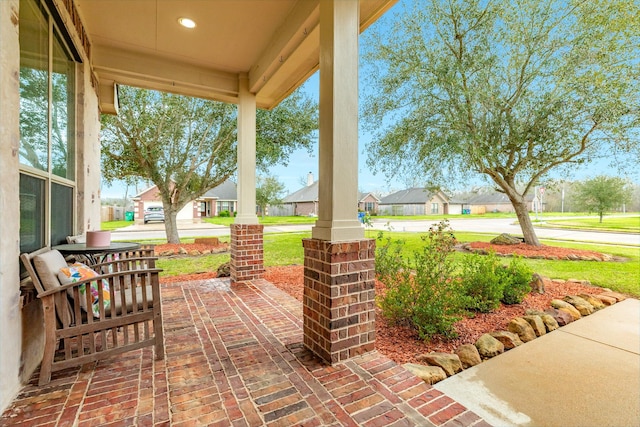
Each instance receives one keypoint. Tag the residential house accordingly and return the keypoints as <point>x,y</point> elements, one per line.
<point>221,198</point>
<point>480,203</point>
<point>414,201</point>
<point>224,197</point>
<point>304,202</point>
<point>368,202</point>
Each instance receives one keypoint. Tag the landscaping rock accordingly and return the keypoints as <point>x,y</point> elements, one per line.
<point>450,363</point>
<point>522,328</point>
<point>166,253</point>
<point>618,297</point>
<point>468,355</point>
<point>195,252</point>
<point>607,301</point>
<point>549,322</point>
<point>508,339</point>
<point>537,283</point>
<point>488,346</point>
<point>580,304</point>
<point>537,324</point>
<point>224,270</point>
<point>595,302</point>
<point>428,374</point>
<point>565,306</point>
<point>183,251</point>
<point>562,318</point>
<point>506,239</point>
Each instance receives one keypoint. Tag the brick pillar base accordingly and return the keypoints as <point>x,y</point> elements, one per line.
<point>339,298</point>
<point>247,254</point>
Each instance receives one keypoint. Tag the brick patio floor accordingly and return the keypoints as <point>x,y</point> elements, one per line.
<point>234,358</point>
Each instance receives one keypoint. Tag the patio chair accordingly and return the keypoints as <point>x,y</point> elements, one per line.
<point>95,312</point>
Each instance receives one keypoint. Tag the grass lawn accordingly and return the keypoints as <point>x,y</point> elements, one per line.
<point>267,220</point>
<point>286,249</point>
<point>626,224</point>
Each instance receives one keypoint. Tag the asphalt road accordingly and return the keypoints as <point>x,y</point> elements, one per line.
<point>485,225</point>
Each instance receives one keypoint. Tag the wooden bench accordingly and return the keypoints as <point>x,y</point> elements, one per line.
<point>90,322</point>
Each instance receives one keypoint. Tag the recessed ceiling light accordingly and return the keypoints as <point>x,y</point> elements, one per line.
<point>187,23</point>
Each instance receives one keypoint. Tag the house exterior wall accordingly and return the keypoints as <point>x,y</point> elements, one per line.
<point>10,310</point>
<point>21,326</point>
<point>306,208</point>
<point>364,202</point>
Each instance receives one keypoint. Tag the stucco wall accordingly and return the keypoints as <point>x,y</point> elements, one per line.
<point>10,313</point>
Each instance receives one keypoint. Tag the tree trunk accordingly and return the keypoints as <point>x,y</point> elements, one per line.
<point>171,226</point>
<point>526,225</point>
<point>601,215</point>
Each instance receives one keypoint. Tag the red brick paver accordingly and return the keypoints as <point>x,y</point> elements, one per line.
<point>234,357</point>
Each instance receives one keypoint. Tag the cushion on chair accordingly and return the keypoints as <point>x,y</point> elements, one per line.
<point>78,272</point>
<point>47,266</point>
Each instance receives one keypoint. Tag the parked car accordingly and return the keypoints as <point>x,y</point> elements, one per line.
<point>154,213</point>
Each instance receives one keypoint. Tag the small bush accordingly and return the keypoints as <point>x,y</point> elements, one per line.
<point>516,279</point>
<point>420,292</point>
<point>224,214</point>
<point>483,282</point>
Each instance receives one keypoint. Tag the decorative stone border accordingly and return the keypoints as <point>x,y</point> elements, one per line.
<point>437,366</point>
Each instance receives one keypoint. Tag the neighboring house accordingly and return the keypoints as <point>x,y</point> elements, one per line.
<point>303,202</point>
<point>221,198</point>
<point>368,202</point>
<point>480,203</point>
<point>224,197</point>
<point>414,201</point>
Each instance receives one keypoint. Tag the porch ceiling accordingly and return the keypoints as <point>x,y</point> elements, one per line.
<point>275,42</point>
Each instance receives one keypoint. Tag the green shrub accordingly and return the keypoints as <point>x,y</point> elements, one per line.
<point>516,279</point>
<point>420,292</point>
<point>224,214</point>
<point>483,282</point>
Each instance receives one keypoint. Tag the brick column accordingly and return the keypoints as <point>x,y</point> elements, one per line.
<point>339,298</point>
<point>247,254</point>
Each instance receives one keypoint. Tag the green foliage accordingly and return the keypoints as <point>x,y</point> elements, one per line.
<point>420,292</point>
<point>602,194</point>
<point>269,192</point>
<point>224,214</point>
<point>516,280</point>
<point>482,282</point>
<point>510,90</point>
<point>487,282</point>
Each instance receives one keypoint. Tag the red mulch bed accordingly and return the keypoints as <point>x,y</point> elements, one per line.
<point>401,344</point>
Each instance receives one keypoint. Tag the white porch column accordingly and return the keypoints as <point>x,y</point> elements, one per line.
<point>246,154</point>
<point>338,148</point>
<point>339,263</point>
<point>247,254</point>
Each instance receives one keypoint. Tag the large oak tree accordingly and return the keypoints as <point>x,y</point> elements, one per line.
<point>508,89</point>
<point>186,146</point>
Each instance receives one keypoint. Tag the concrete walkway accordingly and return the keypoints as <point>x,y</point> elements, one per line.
<point>584,374</point>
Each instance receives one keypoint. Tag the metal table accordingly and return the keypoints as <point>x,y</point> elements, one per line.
<point>95,254</point>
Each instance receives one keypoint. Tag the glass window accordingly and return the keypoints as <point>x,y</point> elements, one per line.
<point>47,129</point>
<point>62,98</point>
<point>434,208</point>
<point>34,86</point>
<point>32,236</point>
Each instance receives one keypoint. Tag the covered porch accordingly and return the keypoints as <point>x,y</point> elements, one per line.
<point>61,62</point>
<point>238,362</point>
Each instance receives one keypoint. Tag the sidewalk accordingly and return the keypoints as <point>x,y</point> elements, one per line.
<point>584,374</point>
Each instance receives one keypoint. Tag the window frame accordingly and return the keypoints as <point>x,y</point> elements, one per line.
<point>49,177</point>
